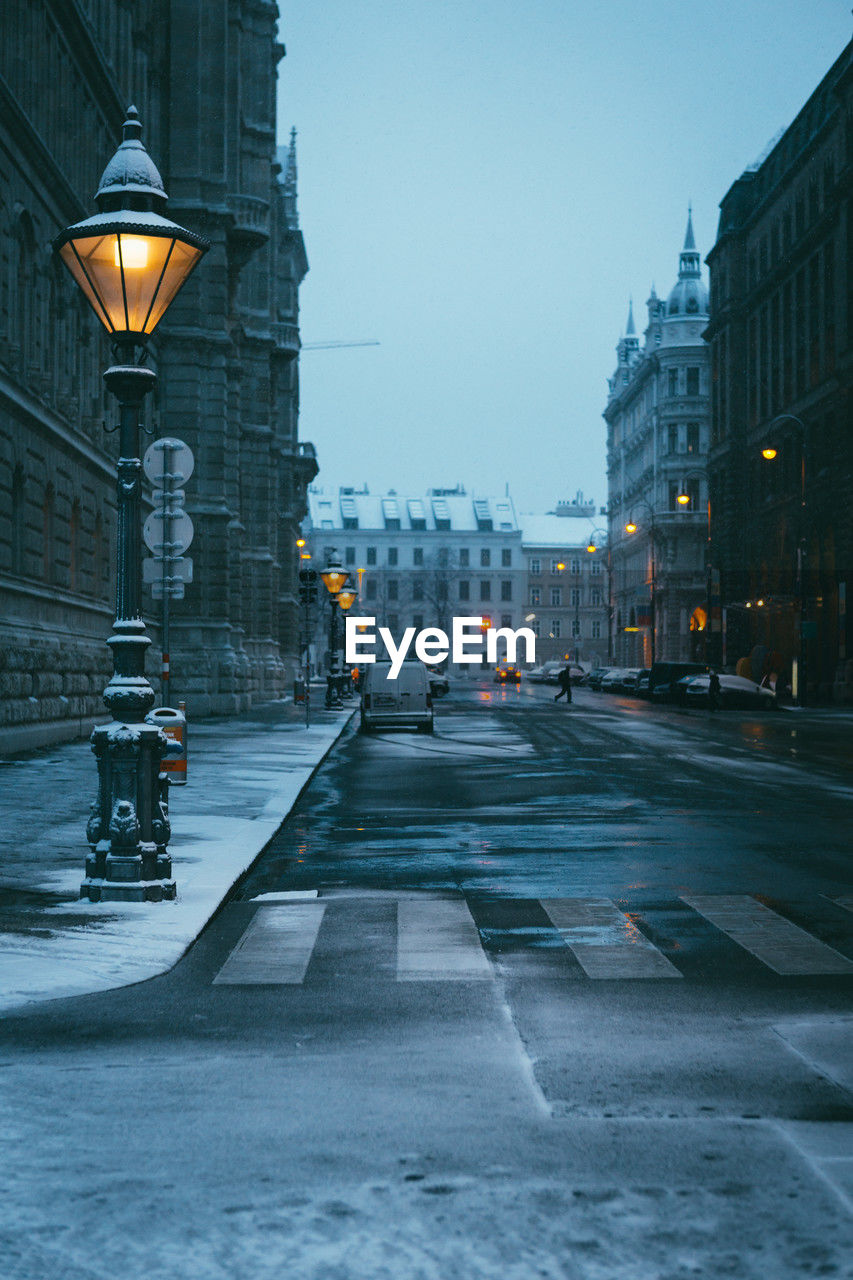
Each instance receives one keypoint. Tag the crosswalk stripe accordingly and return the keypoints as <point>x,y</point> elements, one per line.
<point>605,943</point>
<point>275,947</point>
<point>775,941</point>
<point>437,940</point>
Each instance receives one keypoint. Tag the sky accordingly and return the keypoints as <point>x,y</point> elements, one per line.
<point>483,185</point>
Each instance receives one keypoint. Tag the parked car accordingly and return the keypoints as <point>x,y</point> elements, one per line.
<point>507,672</point>
<point>612,682</point>
<point>735,692</point>
<point>630,676</point>
<point>642,689</point>
<point>405,701</point>
<point>595,677</point>
<point>551,671</point>
<point>439,685</point>
<point>536,675</point>
<point>664,676</point>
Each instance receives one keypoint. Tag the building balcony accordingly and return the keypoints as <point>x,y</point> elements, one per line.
<point>250,225</point>
<point>287,341</point>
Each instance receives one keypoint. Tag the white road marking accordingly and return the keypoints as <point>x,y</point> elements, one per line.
<point>437,940</point>
<point>846,903</point>
<point>604,941</point>
<point>775,941</point>
<point>276,946</point>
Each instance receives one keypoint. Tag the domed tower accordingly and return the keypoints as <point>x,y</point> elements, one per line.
<point>689,296</point>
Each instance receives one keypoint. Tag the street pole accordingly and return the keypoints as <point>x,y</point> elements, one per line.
<point>128,828</point>
<point>129,260</point>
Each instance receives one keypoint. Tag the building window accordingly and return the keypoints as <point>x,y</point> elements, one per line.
<point>371,589</point>
<point>556,597</point>
<point>506,557</point>
<point>693,381</point>
<point>536,627</point>
<point>393,621</point>
<point>576,628</point>
<point>595,595</point>
<point>576,597</point>
<point>595,567</point>
<point>596,631</point>
<point>535,595</point>
<point>555,628</point>
<point>349,555</point>
<point>418,621</point>
<point>535,565</point>
<point>576,567</point>
<point>506,590</point>
<point>464,590</point>
<point>392,556</point>
<point>693,437</point>
<point>371,555</point>
<point>418,555</point>
<point>418,588</point>
<point>464,557</point>
<point>485,558</point>
<point>672,382</point>
<point>672,438</point>
<point>392,589</point>
<point>506,619</point>
<point>555,566</point>
<point>485,589</point>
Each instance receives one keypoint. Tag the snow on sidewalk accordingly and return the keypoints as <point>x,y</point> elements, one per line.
<point>244,778</point>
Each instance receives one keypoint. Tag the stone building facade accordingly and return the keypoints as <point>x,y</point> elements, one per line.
<point>227,356</point>
<point>657,419</point>
<point>426,557</point>
<point>782,362</point>
<point>567,587</point>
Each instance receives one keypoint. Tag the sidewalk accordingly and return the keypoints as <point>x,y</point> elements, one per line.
<point>244,777</point>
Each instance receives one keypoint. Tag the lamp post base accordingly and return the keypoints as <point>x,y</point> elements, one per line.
<point>128,829</point>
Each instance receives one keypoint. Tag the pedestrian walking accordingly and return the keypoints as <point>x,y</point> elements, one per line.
<point>565,682</point>
<point>713,691</point>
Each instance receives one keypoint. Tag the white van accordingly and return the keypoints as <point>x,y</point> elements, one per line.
<point>405,700</point>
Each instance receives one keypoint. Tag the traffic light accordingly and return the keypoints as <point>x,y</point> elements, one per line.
<point>308,584</point>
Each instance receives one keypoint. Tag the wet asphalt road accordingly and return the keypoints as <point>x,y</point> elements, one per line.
<point>527,1121</point>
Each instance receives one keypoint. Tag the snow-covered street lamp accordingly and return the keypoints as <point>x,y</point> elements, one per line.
<point>130,261</point>
<point>335,578</point>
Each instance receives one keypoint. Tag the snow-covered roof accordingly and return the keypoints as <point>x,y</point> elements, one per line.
<point>555,531</point>
<point>442,509</point>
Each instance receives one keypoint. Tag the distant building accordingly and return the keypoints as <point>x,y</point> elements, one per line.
<point>426,557</point>
<point>566,600</point>
<point>227,354</point>
<point>780,336</point>
<point>657,418</point>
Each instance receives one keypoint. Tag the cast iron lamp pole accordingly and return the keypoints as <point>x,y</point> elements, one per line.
<point>592,547</point>
<point>631,528</point>
<point>334,577</point>
<point>345,598</point>
<point>130,261</point>
<point>769,453</point>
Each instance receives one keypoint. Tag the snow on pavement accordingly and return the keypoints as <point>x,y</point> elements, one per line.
<point>221,821</point>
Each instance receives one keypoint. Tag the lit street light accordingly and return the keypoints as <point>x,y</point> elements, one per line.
<point>592,547</point>
<point>129,261</point>
<point>631,528</point>
<point>335,578</point>
<point>770,453</point>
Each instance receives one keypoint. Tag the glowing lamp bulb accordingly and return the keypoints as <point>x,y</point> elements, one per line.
<point>132,251</point>
<point>769,453</point>
<point>682,499</point>
<point>630,527</point>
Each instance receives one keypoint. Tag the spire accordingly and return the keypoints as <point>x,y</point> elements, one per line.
<point>689,240</point>
<point>688,262</point>
<point>288,182</point>
<point>631,331</point>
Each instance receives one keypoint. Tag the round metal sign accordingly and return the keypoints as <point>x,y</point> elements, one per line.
<point>168,458</point>
<point>168,534</point>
